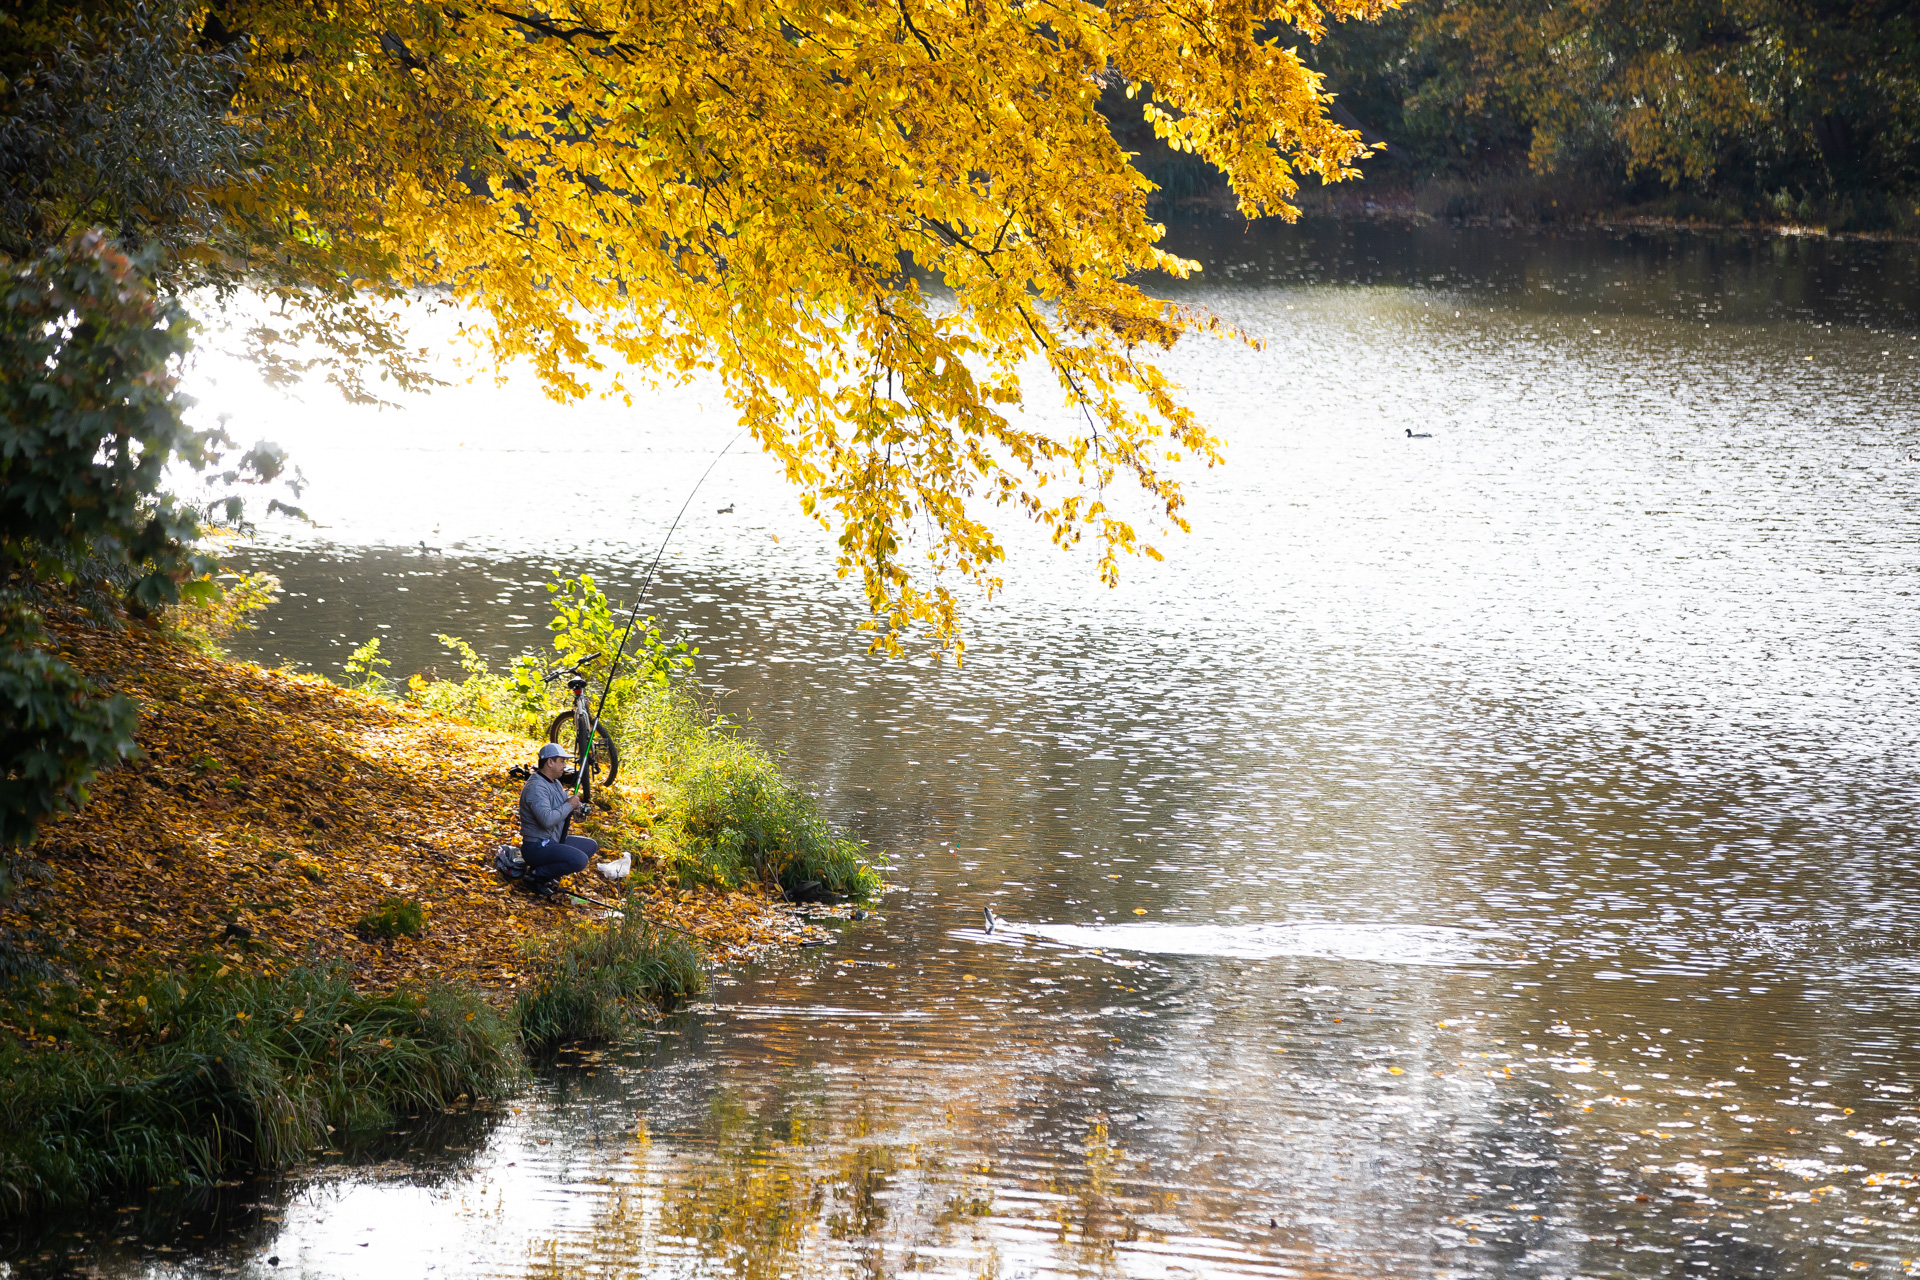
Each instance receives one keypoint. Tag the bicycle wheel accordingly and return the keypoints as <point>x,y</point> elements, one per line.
<point>600,765</point>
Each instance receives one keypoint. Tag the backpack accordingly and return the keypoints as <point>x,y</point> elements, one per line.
<point>508,862</point>
<point>506,859</point>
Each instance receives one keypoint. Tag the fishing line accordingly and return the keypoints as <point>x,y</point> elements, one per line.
<point>634,613</point>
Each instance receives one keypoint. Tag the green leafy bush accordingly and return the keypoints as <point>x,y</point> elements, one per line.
<point>365,670</point>
<point>90,418</point>
<point>757,826</point>
<point>586,622</point>
<point>522,700</point>
<point>516,702</point>
<point>237,598</point>
<point>600,982</point>
<point>182,1080</point>
<point>394,918</point>
<point>57,731</point>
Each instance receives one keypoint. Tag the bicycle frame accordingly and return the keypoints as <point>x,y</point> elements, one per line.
<point>586,726</point>
<point>583,732</point>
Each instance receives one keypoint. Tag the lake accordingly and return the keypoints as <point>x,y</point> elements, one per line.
<point>1489,854</point>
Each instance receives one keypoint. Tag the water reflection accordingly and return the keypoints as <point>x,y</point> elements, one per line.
<point>1712,278</point>
<point>1488,855</point>
<point>1379,944</point>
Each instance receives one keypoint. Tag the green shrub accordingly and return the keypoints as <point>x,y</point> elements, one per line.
<point>600,982</point>
<point>184,1079</point>
<point>758,826</point>
<point>204,621</point>
<point>60,731</point>
<point>365,670</point>
<point>586,622</point>
<point>516,702</point>
<point>393,918</point>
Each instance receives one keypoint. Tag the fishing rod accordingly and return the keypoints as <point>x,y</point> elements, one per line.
<point>633,614</point>
<point>586,897</point>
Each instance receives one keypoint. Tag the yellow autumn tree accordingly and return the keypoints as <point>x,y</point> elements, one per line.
<point>865,218</point>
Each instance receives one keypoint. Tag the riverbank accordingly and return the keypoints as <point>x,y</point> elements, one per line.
<point>1531,202</point>
<point>281,921</point>
<point>272,812</point>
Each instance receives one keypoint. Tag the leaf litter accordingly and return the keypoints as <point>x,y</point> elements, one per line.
<point>269,812</point>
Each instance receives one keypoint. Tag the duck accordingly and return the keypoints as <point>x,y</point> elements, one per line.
<point>1418,435</point>
<point>992,921</point>
<point>725,511</point>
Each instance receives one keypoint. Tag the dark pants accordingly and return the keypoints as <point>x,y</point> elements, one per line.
<point>551,859</point>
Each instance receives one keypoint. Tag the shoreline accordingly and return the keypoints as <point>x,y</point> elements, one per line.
<point>1401,205</point>
<point>265,821</point>
<point>207,952</point>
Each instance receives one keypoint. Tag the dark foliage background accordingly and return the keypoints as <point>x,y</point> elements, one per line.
<point>1801,111</point>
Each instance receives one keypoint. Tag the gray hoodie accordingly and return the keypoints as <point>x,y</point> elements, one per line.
<point>543,809</point>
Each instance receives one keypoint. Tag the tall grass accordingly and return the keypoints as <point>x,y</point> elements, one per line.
<point>752,823</point>
<point>184,1078</point>
<point>598,983</point>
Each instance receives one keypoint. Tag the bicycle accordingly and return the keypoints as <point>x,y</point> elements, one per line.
<point>576,727</point>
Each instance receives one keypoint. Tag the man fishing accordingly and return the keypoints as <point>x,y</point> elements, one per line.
<point>545,809</point>
<point>545,805</point>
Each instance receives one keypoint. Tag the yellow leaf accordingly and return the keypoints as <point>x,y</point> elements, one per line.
<point>751,183</point>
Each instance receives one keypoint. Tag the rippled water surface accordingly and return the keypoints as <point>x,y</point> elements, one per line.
<point>1490,854</point>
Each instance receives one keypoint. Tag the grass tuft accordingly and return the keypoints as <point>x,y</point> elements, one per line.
<point>600,982</point>
<point>394,918</point>
<point>181,1079</point>
<point>755,825</point>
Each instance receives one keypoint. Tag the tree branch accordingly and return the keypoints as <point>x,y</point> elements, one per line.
<point>548,27</point>
<point>908,19</point>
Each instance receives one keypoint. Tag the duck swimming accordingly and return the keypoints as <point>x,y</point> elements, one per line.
<point>1418,435</point>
